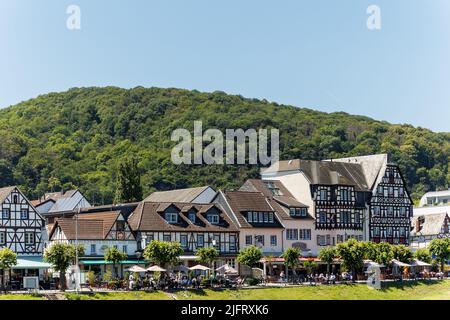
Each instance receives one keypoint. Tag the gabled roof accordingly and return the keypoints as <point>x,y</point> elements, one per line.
<point>90,225</point>
<point>431,223</point>
<point>149,216</point>
<point>241,202</point>
<point>372,165</point>
<point>5,192</point>
<point>281,203</point>
<point>179,195</point>
<point>324,172</point>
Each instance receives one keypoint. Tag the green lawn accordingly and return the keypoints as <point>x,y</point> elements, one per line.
<point>19,297</point>
<point>393,291</point>
<point>406,291</point>
<point>138,295</point>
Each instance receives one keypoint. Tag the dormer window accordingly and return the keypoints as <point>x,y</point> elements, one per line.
<point>171,217</point>
<point>273,188</point>
<point>345,195</point>
<point>191,216</point>
<point>213,218</point>
<point>298,212</point>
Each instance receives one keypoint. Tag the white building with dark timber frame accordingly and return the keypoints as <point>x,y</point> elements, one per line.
<point>22,230</point>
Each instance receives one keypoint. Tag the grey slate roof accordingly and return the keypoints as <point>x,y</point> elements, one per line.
<point>179,195</point>
<point>431,223</point>
<point>4,193</point>
<point>325,172</point>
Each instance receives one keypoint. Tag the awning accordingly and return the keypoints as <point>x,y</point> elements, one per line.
<point>418,263</point>
<point>101,262</point>
<point>31,263</point>
<point>399,263</point>
<point>188,258</point>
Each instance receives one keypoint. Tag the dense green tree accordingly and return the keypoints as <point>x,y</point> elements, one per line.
<point>163,253</point>
<point>128,184</point>
<point>250,256</point>
<point>423,254</point>
<point>327,255</point>
<point>8,259</point>
<point>352,254</point>
<point>115,256</point>
<point>81,136</point>
<point>61,256</point>
<point>291,258</point>
<point>402,253</point>
<point>440,249</point>
<point>207,255</point>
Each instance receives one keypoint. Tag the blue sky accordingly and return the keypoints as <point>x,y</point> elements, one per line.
<point>317,54</point>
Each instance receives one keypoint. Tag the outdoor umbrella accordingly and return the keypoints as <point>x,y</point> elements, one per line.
<point>226,269</point>
<point>199,267</point>
<point>155,268</point>
<point>418,263</point>
<point>136,268</point>
<point>399,263</point>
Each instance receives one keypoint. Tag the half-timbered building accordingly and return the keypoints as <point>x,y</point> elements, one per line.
<point>97,232</point>
<point>427,227</point>
<point>21,226</point>
<point>360,197</point>
<point>195,226</point>
<point>22,229</point>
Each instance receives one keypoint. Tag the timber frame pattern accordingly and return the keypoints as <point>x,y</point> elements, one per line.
<point>391,209</point>
<point>21,225</point>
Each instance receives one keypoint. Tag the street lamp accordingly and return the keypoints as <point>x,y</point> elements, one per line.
<point>77,270</point>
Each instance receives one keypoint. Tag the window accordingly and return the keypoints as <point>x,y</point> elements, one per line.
<point>217,240</point>
<point>273,188</point>
<point>339,238</point>
<point>167,238</point>
<point>250,216</point>
<point>5,213</point>
<point>402,232</point>
<point>248,240</point>
<point>298,212</point>
<point>401,191</point>
<point>171,217</point>
<point>305,234</point>
<point>200,240</point>
<point>389,231</point>
<point>391,191</point>
<point>273,240</point>
<point>346,217</point>
<point>213,218</point>
<point>15,199</point>
<point>321,240</point>
<point>233,242</point>
<point>125,248</point>
<point>345,195</point>
<point>93,249</point>
<point>255,216</point>
<point>385,192</point>
<point>24,214</point>
<point>323,194</point>
<point>266,217</point>
<point>115,246</point>
<point>183,240</point>
<point>291,234</point>
<point>29,238</point>
<point>260,217</point>
<point>2,238</point>
<point>120,225</point>
<point>271,217</point>
<point>402,211</point>
<point>376,231</point>
<point>192,217</point>
<point>322,217</point>
<point>259,240</point>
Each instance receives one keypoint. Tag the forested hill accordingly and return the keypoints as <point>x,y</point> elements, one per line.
<point>75,139</point>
